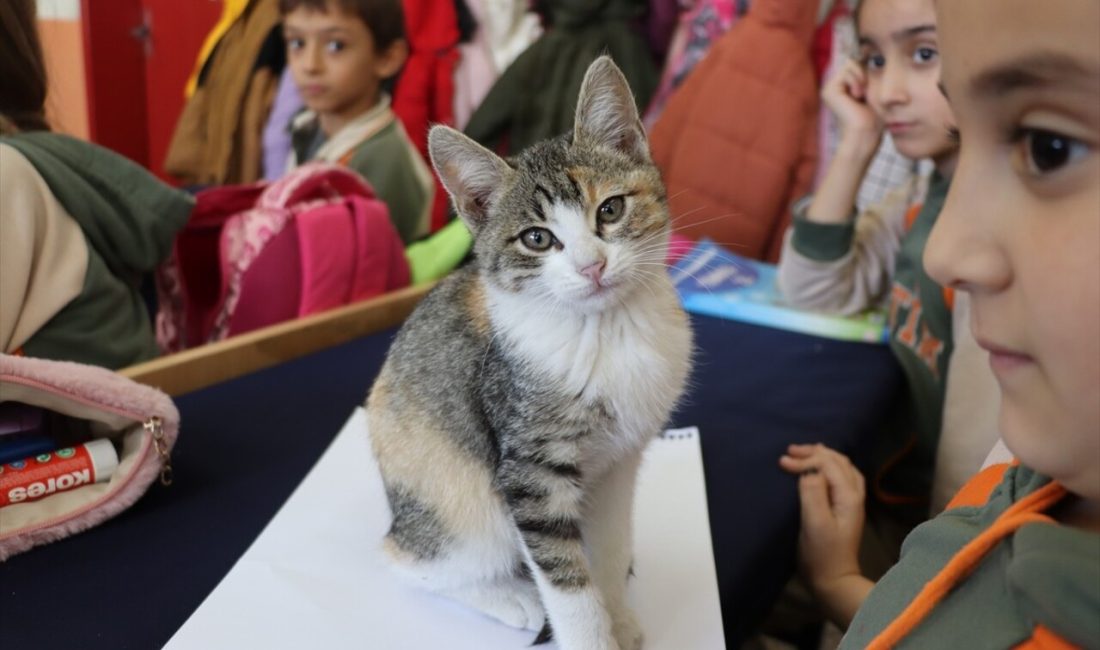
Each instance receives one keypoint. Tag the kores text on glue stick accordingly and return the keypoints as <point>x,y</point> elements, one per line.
<point>64,469</point>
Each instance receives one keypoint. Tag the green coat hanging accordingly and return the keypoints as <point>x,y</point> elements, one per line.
<point>535,97</point>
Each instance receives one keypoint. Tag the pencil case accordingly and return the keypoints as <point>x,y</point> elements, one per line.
<point>141,422</point>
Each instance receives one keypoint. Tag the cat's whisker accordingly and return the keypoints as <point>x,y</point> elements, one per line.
<point>728,244</point>
<point>643,275</point>
<point>652,244</point>
<point>680,226</point>
<point>723,243</point>
<point>675,218</point>
<point>657,253</point>
<point>655,236</point>
<point>651,284</point>
<point>691,275</point>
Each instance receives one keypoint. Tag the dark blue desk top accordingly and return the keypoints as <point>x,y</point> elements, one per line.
<point>245,444</point>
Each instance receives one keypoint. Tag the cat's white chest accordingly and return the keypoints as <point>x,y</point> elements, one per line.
<point>633,359</point>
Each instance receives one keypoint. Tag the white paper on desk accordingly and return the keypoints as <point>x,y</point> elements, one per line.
<point>316,578</point>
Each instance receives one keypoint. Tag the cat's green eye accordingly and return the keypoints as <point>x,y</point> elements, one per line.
<point>537,239</point>
<point>611,210</point>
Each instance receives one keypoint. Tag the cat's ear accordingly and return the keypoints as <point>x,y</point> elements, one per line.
<point>606,113</point>
<point>470,172</point>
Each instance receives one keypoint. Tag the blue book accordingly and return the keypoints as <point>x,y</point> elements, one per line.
<point>715,282</point>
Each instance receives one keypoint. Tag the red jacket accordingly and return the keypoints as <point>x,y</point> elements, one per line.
<point>737,142</point>
<point>425,90</point>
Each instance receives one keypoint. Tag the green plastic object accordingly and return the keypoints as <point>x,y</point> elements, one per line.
<point>433,258</point>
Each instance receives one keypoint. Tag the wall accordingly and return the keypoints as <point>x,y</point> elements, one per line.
<point>63,46</point>
<point>109,87</point>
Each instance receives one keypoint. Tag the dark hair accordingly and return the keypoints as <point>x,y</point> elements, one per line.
<point>22,69</point>
<point>384,18</point>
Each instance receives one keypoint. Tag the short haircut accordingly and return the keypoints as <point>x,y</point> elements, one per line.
<point>384,18</point>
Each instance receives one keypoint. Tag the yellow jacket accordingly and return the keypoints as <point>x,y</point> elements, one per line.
<point>231,11</point>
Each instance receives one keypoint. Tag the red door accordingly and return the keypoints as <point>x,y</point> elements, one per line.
<point>139,54</point>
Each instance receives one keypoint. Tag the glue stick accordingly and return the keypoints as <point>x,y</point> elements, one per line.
<point>57,471</point>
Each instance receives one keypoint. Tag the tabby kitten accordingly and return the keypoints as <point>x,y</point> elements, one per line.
<point>512,411</point>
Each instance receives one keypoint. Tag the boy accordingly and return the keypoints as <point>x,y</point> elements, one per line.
<point>340,52</point>
<point>1015,559</point>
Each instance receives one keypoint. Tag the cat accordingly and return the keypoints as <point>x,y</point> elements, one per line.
<point>511,413</point>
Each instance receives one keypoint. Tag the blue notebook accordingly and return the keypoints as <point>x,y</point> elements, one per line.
<point>715,282</point>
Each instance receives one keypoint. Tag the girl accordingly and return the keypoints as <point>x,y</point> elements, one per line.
<point>80,224</point>
<point>836,261</point>
<point>1015,562</point>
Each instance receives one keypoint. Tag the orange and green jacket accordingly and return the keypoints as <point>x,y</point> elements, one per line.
<point>992,571</point>
<point>827,266</point>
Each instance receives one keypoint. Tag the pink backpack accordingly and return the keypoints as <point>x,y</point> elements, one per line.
<point>259,254</point>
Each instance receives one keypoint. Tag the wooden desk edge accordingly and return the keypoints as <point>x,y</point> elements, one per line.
<point>207,365</point>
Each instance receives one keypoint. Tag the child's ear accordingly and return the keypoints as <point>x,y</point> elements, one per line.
<point>606,113</point>
<point>388,62</point>
<point>471,173</point>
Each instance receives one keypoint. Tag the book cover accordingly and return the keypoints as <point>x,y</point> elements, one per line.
<point>715,282</point>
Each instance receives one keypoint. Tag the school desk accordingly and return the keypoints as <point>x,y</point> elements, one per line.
<point>246,442</point>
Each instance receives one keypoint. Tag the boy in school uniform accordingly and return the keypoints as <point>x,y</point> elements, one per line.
<point>1014,561</point>
<point>340,52</point>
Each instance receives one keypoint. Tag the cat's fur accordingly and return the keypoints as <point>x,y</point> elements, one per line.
<point>512,411</point>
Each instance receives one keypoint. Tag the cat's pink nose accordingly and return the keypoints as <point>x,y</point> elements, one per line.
<point>594,271</point>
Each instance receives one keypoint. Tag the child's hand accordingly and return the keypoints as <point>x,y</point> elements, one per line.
<point>832,495</point>
<point>845,93</point>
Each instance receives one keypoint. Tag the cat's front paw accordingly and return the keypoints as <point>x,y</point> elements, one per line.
<point>515,603</point>
<point>520,608</point>
<point>626,630</point>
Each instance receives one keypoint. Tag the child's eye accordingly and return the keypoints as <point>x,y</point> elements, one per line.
<point>335,46</point>
<point>295,43</point>
<point>874,61</point>
<point>1044,152</point>
<point>925,55</point>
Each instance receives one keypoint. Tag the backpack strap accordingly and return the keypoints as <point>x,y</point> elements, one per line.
<point>314,181</point>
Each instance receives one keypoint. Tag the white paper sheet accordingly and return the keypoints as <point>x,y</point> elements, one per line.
<point>315,577</point>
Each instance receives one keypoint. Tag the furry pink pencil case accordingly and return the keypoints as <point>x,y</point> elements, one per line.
<point>141,422</point>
